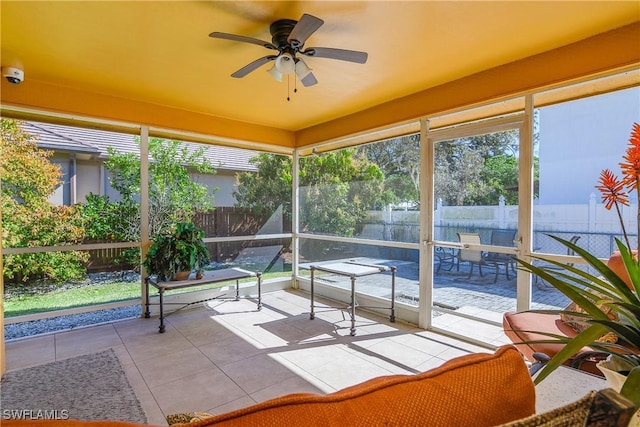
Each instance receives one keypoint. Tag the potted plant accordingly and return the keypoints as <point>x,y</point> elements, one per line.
<point>606,302</point>
<point>176,253</point>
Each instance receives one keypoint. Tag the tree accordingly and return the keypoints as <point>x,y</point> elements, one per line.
<point>174,196</point>
<point>477,170</point>
<point>457,173</point>
<point>265,191</point>
<point>336,189</point>
<point>472,171</point>
<point>29,219</point>
<point>399,160</point>
<point>501,175</point>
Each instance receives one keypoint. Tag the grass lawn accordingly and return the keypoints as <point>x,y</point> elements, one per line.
<point>70,298</point>
<point>94,294</point>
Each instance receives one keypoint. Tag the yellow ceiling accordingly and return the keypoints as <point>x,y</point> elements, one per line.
<point>158,53</point>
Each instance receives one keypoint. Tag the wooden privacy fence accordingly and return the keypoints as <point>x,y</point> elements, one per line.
<point>222,222</point>
<point>105,259</point>
<point>230,221</point>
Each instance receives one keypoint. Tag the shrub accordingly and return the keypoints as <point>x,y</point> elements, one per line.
<point>28,218</point>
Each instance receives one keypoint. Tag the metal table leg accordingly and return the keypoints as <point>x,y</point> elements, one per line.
<point>161,292</point>
<point>353,306</point>
<point>392,317</point>
<point>147,312</point>
<point>312,314</point>
<point>259,275</point>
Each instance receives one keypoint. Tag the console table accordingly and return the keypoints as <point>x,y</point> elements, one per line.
<point>208,278</point>
<point>354,270</point>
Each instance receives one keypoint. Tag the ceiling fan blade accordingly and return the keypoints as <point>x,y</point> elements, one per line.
<point>341,54</point>
<point>306,26</point>
<point>253,65</point>
<point>309,80</point>
<point>244,39</point>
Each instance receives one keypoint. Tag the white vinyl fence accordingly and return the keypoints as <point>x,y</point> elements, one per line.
<point>596,226</point>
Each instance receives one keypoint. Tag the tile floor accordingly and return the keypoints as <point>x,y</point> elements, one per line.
<point>228,355</point>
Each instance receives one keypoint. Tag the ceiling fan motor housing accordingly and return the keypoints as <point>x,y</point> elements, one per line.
<point>280,31</point>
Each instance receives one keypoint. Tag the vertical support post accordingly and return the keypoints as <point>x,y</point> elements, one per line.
<point>73,179</point>
<point>103,180</point>
<point>295,206</point>
<point>144,210</point>
<point>3,365</point>
<point>425,290</point>
<point>502,207</point>
<point>525,205</point>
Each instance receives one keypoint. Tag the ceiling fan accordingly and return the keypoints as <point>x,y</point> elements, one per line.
<point>288,38</point>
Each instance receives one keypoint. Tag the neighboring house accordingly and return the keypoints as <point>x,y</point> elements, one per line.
<point>81,154</point>
<point>580,138</point>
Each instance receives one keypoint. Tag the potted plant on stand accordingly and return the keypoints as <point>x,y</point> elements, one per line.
<point>176,253</point>
<point>607,302</point>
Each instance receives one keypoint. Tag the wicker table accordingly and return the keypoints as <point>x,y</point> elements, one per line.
<point>354,270</point>
<point>209,277</point>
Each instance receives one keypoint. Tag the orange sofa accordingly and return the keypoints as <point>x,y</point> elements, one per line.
<point>475,390</point>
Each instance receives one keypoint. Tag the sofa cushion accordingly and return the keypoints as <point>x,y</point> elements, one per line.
<point>520,327</point>
<point>473,390</point>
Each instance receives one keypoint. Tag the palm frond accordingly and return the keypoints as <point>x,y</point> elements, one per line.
<point>572,347</point>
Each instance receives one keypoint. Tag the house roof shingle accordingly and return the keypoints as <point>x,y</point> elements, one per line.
<point>96,142</point>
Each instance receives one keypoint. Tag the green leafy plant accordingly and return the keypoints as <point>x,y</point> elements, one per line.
<point>607,302</point>
<point>180,249</point>
<point>29,219</point>
<point>175,193</point>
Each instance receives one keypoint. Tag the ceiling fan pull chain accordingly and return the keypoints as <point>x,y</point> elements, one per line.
<point>288,80</point>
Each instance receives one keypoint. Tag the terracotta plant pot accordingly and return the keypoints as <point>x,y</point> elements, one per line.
<point>616,264</point>
<point>181,275</point>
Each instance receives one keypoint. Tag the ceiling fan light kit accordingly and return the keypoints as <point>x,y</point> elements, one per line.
<point>285,63</point>
<point>288,38</point>
<point>273,72</point>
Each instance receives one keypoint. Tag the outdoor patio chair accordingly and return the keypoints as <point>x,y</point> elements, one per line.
<point>502,238</point>
<point>444,258</point>
<point>473,257</point>
<point>538,281</point>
